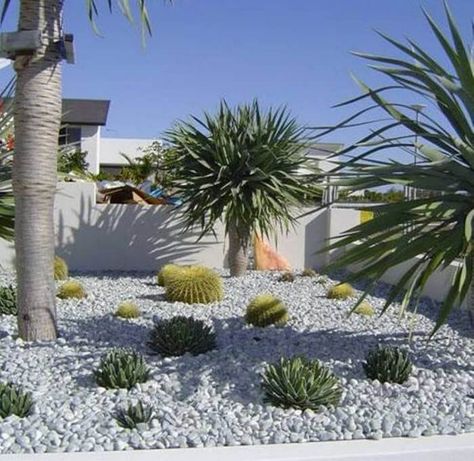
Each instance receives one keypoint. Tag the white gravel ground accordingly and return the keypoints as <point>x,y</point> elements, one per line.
<point>215,398</point>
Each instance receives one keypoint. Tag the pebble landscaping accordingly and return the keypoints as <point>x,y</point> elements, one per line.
<point>215,398</point>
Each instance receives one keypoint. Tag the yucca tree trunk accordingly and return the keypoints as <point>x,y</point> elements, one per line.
<point>37,118</point>
<point>238,250</point>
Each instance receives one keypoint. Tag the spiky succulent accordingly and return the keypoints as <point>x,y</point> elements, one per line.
<point>340,291</point>
<point>8,300</point>
<point>308,272</point>
<point>121,369</point>
<point>14,401</point>
<point>266,309</point>
<point>388,364</point>
<point>194,285</point>
<point>166,271</point>
<point>61,271</point>
<point>300,383</point>
<point>287,277</point>
<point>365,308</point>
<point>133,415</point>
<point>127,310</point>
<point>71,289</point>
<point>179,335</point>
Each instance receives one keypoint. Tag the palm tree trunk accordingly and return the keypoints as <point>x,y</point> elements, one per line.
<point>37,115</point>
<point>238,250</point>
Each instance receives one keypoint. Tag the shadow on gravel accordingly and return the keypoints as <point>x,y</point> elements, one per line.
<point>153,297</point>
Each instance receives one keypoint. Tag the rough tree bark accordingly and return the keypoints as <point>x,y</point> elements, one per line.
<point>238,250</point>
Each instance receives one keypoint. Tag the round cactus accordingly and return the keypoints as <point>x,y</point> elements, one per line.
<point>71,289</point>
<point>127,310</point>
<point>8,301</point>
<point>61,271</point>
<point>365,308</point>
<point>308,272</point>
<point>340,291</point>
<point>166,271</point>
<point>194,285</point>
<point>265,310</point>
<point>287,277</point>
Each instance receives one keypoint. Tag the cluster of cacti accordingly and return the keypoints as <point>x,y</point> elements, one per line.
<point>194,285</point>
<point>340,291</point>
<point>14,401</point>
<point>265,310</point>
<point>8,301</point>
<point>71,289</point>
<point>134,414</point>
<point>287,277</point>
<point>308,272</point>
<point>121,369</point>
<point>388,364</point>
<point>61,271</point>
<point>127,310</point>
<point>365,308</point>
<point>166,271</point>
<point>179,335</point>
<point>300,383</point>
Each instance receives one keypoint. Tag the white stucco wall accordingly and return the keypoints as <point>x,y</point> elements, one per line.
<point>90,143</point>
<point>111,148</point>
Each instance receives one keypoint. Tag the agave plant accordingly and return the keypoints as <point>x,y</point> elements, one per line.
<point>244,167</point>
<point>434,229</point>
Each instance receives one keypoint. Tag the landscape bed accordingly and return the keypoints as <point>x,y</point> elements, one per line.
<point>215,398</point>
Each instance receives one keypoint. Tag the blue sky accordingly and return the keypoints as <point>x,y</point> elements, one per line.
<point>294,52</point>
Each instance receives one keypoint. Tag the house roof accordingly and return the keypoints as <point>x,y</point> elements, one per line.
<point>323,149</point>
<point>85,111</point>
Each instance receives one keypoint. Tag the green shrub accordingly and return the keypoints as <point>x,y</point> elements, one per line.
<point>134,414</point>
<point>388,364</point>
<point>127,310</point>
<point>61,271</point>
<point>194,285</point>
<point>287,277</point>
<point>266,310</point>
<point>308,272</point>
<point>340,291</point>
<point>179,335</point>
<point>365,308</point>
<point>300,383</point>
<point>121,369</point>
<point>71,289</point>
<point>14,401</point>
<point>8,301</point>
<point>166,271</point>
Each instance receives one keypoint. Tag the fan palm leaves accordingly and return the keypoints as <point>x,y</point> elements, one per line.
<point>436,229</point>
<point>244,166</point>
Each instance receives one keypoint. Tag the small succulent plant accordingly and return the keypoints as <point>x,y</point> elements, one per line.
<point>388,364</point>
<point>287,277</point>
<point>308,272</point>
<point>340,291</point>
<point>300,383</point>
<point>194,285</point>
<point>179,335</point>
<point>121,369</point>
<point>265,310</point>
<point>166,271</point>
<point>127,310</point>
<point>8,301</point>
<point>71,289</point>
<point>61,271</point>
<point>365,308</point>
<point>14,401</point>
<point>133,415</point>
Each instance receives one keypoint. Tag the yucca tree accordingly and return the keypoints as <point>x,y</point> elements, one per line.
<point>37,113</point>
<point>435,230</point>
<point>244,167</point>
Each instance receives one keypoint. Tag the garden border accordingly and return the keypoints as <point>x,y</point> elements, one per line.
<point>434,448</point>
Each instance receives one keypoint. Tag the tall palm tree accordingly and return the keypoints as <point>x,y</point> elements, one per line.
<point>434,230</point>
<point>37,114</point>
<point>244,167</point>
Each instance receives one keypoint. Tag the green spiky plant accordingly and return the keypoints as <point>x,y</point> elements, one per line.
<point>121,369</point>
<point>265,310</point>
<point>61,271</point>
<point>287,277</point>
<point>340,291</point>
<point>245,167</point>
<point>180,335</point>
<point>133,415</point>
<point>8,300</point>
<point>300,383</point>
<point>71,289</point>
<point>388,364</point>
<point>127,310</point>
<point>434,229</point>
<point>165,272</point>
<point>14,401</point>
<point>194,285</point>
